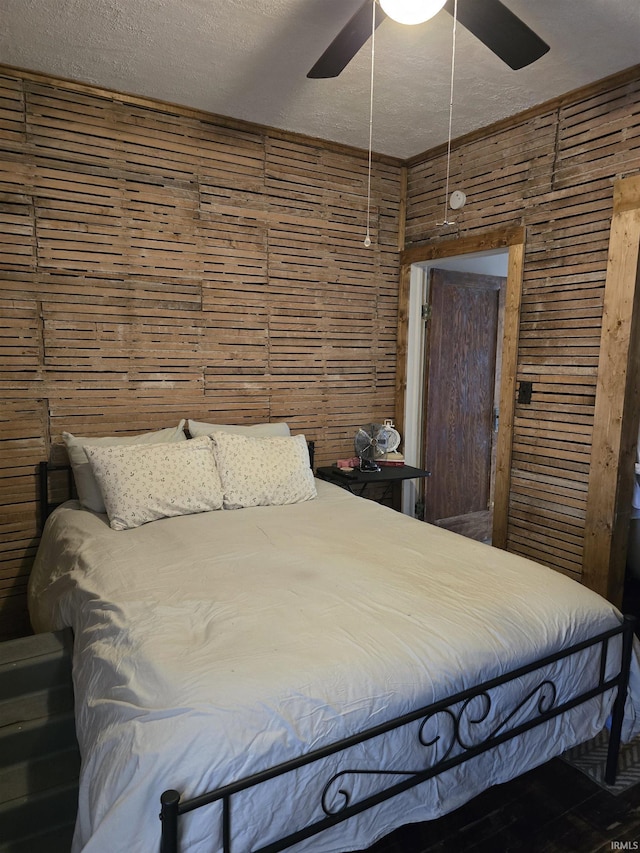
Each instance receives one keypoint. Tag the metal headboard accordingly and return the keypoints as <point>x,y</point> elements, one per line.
<point>47,505</point>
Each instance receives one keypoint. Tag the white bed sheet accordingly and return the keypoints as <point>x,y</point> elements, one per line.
<point>211,646</point>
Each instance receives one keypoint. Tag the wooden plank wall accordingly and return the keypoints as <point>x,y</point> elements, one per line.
<point>158,263</point>
<point>550,170</point>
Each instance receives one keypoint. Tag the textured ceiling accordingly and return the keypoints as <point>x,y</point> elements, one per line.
<point>248,59</point>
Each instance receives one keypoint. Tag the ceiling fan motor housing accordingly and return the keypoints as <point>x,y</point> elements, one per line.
<point>490,21</point>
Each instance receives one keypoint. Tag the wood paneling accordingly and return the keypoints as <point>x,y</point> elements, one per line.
<point>550,171</point>
<point>159,263</point>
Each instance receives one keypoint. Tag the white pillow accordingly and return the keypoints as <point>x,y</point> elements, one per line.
<point>263,471</point>
<point>141,483</point>
<point>198,428</point>
<point>89,493</point>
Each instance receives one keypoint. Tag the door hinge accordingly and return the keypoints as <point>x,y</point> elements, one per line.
<point>426,312</point>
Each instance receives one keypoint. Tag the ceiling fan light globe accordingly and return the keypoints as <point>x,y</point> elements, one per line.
<point>411,11</point>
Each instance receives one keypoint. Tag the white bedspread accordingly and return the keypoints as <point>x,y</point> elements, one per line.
<point>208,647</point>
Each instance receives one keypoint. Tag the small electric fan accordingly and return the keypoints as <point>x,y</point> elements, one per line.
<point>372,442</point>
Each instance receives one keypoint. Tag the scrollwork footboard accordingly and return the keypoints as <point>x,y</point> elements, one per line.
<point>447,733</point>
<point>461,720</point>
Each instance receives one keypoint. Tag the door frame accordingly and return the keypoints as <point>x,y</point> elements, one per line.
<point>512,239</point>
<point>617,403</point>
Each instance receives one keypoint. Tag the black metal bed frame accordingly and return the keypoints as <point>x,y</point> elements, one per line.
<point>46,505</point>
<point>457,709</point>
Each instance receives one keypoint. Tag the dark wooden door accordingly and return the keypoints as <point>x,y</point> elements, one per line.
<point>460,420</point>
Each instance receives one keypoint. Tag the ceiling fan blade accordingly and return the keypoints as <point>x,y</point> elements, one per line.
<point>500,30</point>
<point>347,43</point>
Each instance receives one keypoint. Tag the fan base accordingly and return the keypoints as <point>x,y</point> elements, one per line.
<point>369,465</point>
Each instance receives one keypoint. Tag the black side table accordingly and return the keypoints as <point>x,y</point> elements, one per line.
<point>357,481</point>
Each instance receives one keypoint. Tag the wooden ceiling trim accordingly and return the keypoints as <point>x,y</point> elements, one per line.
<point>166,109</point>
<point>570,100</point>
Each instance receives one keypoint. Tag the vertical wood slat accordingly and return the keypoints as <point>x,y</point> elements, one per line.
<point>508,372</point>
<point>402,346</point>
<point>617,402</point>
<point>159,263</point>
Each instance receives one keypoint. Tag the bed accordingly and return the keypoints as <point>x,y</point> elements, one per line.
<point>313,674</point>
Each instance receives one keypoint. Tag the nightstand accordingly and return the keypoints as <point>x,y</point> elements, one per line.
<point>357,482</point>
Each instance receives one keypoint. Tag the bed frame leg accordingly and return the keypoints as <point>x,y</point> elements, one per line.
<point>169,801</point>
<point>618,708</point>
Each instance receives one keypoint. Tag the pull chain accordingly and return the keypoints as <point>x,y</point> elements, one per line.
<point>453,68</point>
<point>367,239</point>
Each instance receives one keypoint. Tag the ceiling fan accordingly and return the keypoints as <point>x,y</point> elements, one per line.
<point>489,20</point>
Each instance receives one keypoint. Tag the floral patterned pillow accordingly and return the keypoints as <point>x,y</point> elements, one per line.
<point>89,493</point>
<point>142,483</point>
<point>263,471</point>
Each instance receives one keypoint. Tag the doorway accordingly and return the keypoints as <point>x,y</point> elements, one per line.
<point>465,312</point>
<point>498,253</point>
